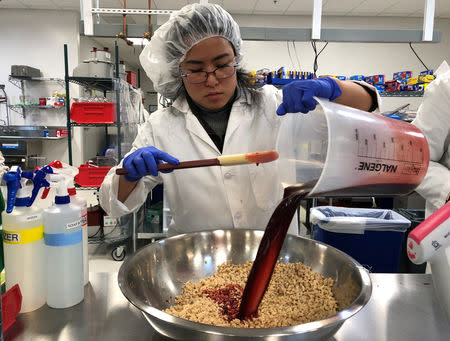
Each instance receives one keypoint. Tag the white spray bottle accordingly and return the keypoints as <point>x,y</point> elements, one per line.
<point>69,172</point>
<point>3,170</point>
<point>23,242</point>
<point>430,241</point>
<point>63,241</point>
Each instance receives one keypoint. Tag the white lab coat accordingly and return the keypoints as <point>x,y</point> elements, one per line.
<point>211,197</point>
<point>433,118</point>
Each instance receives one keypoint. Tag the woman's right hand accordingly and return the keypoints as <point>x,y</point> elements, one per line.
<point>145,161</point>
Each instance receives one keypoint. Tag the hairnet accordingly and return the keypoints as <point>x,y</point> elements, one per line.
<point>185,28</point>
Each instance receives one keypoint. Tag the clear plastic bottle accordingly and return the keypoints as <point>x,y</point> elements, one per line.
<point>2,207</point>
<point>2,264</point>
<point>75,199</point>
<point>69,173</point>
<point>23,245</point>
<point>63,242</point>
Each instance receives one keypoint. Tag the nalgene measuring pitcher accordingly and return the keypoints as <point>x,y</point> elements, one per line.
<point>350,152</point>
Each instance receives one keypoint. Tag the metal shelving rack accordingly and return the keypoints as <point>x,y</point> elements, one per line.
<point>19,82</point>
<point>4,100</point>
<point>105,85</point>
<point>20,108</point>
<point>93,83</point>
<point>35,106</point>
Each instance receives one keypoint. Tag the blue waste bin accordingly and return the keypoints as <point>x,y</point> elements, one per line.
<point>416,217</point>
<point>373,237</point>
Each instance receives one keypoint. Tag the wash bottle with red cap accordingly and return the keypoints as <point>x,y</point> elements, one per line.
<point>23,242</point>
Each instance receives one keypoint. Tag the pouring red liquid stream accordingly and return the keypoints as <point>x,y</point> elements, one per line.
<point>275,233</point>
<point>269,249</point>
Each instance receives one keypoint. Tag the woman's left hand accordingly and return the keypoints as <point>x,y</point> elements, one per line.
<point>298,96</point>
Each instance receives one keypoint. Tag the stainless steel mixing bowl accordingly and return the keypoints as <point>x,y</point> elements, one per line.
<point>153,276</point>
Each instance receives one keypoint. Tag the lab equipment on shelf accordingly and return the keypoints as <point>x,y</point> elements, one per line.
<point>403,83</point>
<point>33,97</point>
<point>24,71</point>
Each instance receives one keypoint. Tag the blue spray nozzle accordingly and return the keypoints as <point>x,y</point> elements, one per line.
<point>38,178</point>
<point>27,175</point>
<point>12,179</point>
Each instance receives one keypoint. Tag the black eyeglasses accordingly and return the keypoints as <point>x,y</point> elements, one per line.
<point>221,72</point>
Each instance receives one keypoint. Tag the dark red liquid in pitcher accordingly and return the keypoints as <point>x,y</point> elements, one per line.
<point>269,248</point>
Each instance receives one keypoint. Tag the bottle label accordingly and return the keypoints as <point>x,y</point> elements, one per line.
<point>63,239</point>
<point>84,220</point>
<point>23,237</point>
<point>73,225</point>
<point>28,218</point>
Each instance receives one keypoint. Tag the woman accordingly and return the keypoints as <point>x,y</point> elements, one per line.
<point>194,59</point>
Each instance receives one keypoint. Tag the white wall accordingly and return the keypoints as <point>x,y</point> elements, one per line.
<point>36,38</point>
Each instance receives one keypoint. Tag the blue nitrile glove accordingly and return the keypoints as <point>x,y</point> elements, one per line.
<point>298,95</point>
<point>144,162</point>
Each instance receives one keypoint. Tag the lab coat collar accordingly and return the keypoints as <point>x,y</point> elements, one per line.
<point>235,119</point>
<point>181,104</point>
<point>192,123</point>
<point>237,114</point>
<point>195,128</point>
<point>244,97</point>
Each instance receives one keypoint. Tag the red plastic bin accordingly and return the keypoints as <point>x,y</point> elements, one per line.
<point>90,176</point>
<point>93,112</point>
<point>132,78</point>
<point>11,305</point>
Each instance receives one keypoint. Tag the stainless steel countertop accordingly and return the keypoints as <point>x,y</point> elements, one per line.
<point>402,307</point>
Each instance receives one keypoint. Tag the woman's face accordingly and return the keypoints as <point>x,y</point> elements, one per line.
<point>207,56</point>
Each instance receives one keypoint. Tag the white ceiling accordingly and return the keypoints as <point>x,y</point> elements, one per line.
<point>404,8</point>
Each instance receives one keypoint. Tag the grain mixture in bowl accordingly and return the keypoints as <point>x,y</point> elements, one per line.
<point>296,295</point>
